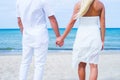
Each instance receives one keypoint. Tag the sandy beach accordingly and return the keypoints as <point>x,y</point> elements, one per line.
<point>58,66</point>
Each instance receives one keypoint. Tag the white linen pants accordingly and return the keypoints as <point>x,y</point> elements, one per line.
<point>40,58</point>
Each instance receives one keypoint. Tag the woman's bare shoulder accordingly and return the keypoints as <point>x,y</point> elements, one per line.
<point>100,4</point>
<point>78,4</point>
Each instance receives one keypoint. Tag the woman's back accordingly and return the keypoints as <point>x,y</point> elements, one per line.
<point>95,9</point>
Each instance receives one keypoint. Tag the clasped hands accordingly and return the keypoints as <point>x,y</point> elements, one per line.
<point>60,41</point>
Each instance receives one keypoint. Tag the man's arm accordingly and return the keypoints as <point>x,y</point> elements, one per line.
<point>20,24</point>
<point>54,25</point>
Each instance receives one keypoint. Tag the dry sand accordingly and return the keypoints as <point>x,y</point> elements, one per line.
<point>58,66</point>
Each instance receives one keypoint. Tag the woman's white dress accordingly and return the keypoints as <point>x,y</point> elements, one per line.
<point>88,43</point>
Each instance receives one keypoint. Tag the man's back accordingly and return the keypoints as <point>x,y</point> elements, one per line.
<point>33,12</point>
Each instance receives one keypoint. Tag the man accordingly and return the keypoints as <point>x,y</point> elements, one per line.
<point>31,15</point>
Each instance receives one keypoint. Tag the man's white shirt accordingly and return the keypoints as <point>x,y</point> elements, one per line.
<point>33,14</point>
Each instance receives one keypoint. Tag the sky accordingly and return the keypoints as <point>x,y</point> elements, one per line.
<point>63,11</point>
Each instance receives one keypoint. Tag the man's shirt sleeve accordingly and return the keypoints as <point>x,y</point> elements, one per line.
<point>47,9</point>
<point>17,9</point>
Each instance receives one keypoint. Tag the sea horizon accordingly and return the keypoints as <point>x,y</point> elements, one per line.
<point>62,28</point>
<point>10,40</point>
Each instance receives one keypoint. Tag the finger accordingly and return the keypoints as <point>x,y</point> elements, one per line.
<point>102,47</point>
<point>57,44</point>
<point>61,44</point>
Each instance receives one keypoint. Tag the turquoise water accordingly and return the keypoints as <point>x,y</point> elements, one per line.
<point>10,39</point>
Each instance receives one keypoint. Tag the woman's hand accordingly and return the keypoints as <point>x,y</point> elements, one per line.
<point>59,41</point>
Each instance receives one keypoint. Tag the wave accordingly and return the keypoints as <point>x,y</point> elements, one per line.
<point>13,49</point>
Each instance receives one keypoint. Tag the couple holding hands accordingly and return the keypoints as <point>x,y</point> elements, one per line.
<point>89,41</point>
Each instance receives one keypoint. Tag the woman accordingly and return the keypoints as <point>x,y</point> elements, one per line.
<point>89,38</point>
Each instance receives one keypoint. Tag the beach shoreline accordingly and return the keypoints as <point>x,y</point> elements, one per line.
<point>19,52</point>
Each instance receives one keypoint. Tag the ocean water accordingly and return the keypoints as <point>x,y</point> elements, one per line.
<point>10,39</point>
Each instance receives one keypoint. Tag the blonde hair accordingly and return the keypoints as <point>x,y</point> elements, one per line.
<point>84,7</point>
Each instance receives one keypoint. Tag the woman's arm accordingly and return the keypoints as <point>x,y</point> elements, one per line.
<point>102,24</point>
<point>71,22</point>
<point>54,25</point>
